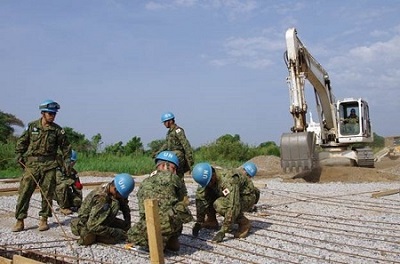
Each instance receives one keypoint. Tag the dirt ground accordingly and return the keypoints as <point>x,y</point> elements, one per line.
<point>384,171</point>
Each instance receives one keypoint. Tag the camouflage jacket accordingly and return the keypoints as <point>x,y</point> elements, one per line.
<point>162,185</point>
<point>39,141</point>
<point>247,184</point>
<point>229,185</point>
<point>99,209</point>
<point>176,141</point>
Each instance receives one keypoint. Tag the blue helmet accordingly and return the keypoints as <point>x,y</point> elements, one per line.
<point>124,184</point>
<point>168,156</point>
<point>49,106</point>
<point>167,116</point>
<point>74,155</point>
<point>202,173</point>
<point>250,168</point>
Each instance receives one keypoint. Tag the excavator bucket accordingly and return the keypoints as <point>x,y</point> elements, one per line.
<point>298,151</point>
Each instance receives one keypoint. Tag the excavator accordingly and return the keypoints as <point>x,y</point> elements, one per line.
<point>345,125</point>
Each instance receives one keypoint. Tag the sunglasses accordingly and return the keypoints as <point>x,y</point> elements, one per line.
<point>51,113</point>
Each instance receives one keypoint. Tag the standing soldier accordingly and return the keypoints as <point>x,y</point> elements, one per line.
<point>68,187</point>
<point>177,142</point>
<point>97,217</point>
<point>36,151</point>
<point>221,191</point>
<point>162,184</point>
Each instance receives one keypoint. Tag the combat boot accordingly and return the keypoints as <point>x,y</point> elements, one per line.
<point>211,221</point>
<point>19,226</point>
<point>43,226</point>
<point>87,240</point>
<point>173,244</point>
<point>244,227</point>
<point>66,211</point>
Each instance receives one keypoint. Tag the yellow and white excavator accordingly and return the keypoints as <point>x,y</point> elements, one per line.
<point>343,123</point>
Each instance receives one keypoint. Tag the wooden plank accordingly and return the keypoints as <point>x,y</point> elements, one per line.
<point>385,193</point>
<point>17,259</point>
<point>154,231</point>
<point>5,260</point>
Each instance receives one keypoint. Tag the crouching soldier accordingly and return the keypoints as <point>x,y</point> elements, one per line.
<point>250,194</point>
<point>68,187</point>
<point>221,191</point>
<point>166,186</point>
<point>97,217</point>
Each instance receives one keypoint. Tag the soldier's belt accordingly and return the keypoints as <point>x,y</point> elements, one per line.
<point>41,158</point>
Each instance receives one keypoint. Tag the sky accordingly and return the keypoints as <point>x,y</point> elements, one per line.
<point>115,66</point>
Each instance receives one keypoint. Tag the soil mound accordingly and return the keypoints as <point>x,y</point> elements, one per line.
<point>386,170</point>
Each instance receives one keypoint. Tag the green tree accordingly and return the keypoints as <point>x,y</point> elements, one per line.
<point>115,149</point>
<point>96,143</point>
<point>77,140</point>
<point>6,123</point>
<point>155,145</point>
<point>134,146</point>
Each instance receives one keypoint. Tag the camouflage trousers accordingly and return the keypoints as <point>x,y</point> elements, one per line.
<point>108,236</point>
<point>67,195</point>
<point>46,179</point>
<point>171,223</point>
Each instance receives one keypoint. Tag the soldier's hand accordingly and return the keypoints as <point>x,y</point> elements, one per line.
<point>196,229</point>
<point>218,237</point>
<point>186,200</point>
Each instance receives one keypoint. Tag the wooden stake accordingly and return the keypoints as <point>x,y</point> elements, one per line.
<point>154,231</point>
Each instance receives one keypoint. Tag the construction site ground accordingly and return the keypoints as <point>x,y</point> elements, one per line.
<point>329,215</point>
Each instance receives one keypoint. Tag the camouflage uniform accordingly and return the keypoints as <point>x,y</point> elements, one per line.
<point>230,196</point>
<point>97,217</point>
<point>67,194</point>
<point>177,142</point>
<point>167,188</point>
<point>38,147</point>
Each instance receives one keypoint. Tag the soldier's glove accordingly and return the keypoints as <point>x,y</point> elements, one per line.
<point>78,184</point>
<point>196,228</point>
<point>218,237</point>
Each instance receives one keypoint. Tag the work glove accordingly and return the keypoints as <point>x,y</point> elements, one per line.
<point>78,184</point>
<point>218,237</point>
<point>196,228</point>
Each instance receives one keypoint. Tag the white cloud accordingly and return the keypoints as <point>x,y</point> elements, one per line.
<point>234,8</point>
<point>254,52</point>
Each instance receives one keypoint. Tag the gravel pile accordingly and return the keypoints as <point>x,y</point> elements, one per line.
<point>295,223</point>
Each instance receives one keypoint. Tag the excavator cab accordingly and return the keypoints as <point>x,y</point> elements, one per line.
<point>354,123</point>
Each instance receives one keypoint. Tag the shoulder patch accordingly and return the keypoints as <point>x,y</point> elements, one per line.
<point>62,131</point>
<point>226,191</point>
<point>153,173</point>
<point>178,130</point>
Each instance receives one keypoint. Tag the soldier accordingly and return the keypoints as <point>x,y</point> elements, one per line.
<point>162,184</point>
<point>177,142</point>
<point>97,217</point>
<point>36,151</point>
<point>68,188</point>
<point>250,194</point>
<point>221,191</point>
